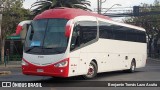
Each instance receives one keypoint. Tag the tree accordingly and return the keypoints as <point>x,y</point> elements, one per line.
<point>42,5</point>
<point>150,23</point>
<point>13,13</point>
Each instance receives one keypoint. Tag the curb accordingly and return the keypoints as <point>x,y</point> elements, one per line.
<point>10,66</point>
<point>5,72</point>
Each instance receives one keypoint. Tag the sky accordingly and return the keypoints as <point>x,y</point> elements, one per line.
<point>108,4</point>
<point>124,3</point>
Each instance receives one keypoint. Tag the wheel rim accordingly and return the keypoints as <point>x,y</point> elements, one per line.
<point>91,71</point>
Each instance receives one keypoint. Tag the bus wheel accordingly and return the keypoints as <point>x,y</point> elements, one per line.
<point>92,71</point>
<point>132,67</point>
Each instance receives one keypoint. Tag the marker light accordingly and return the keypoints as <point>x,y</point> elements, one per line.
<point>24,63</point>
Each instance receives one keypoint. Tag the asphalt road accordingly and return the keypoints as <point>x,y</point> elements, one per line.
<point>149,73</point>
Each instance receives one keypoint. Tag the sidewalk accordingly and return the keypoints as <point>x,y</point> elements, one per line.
<point>11,64</point>
<point>5,70</point>
<point>158,60</point>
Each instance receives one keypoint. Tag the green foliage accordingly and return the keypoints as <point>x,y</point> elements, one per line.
<point>149,22</point>
<point>13,13</point>
<point>43,5</point>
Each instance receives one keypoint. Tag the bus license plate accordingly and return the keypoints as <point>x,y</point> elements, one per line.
<point>40,70</point>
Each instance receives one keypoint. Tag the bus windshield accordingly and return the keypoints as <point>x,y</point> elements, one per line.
<point>46,36</point>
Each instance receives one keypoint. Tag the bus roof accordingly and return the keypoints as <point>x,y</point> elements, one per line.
<point>71,13</point>
<point>67,13</point>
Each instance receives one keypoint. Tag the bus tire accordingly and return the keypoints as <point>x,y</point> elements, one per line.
<point>92,71</point>
<point>132,67</point>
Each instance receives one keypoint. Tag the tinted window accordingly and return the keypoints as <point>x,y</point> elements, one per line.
<point>119,32</point>
<point>131,35</point>
<point>116,32</point>
<point>110,31</point>
<point>83,33</point>
<point>46,36</point>
<point>105,30</point>
<point>141,36</point>
<point>75,41</point>
<point>88,31</point>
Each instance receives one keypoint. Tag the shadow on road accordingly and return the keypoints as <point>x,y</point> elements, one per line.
<point>78,81</point>
<point>116,73</point>
<point>80,78</point>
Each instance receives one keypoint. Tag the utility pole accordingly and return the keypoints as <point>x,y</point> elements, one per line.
<point>99,5</point>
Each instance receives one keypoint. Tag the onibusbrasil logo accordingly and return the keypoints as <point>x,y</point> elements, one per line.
<point>20,84</point>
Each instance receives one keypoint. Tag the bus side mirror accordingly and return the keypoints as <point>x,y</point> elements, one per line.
<point>20,26</point>
<point>19,29</point>
<point>68,31</point>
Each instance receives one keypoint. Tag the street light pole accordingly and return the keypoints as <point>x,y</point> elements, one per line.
<point>111,7</point>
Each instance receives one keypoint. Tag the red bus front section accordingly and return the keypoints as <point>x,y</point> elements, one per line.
<point>54,70</point>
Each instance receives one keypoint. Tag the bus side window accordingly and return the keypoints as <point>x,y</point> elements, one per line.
<point>88,31</point>
<point>105,30</point>
<point>75,42</point>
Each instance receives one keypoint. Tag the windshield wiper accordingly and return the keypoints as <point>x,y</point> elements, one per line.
<point>54,50</point>
<point>31,48</point>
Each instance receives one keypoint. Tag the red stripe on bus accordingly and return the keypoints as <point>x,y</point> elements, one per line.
<point>67,13</point>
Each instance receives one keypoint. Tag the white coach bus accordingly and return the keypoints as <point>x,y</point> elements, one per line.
<point>65,42</point>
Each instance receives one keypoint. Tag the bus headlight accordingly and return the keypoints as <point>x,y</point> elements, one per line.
<point>24,63</point>
<point>61,64</point>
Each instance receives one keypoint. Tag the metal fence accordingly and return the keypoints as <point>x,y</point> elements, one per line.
<point>14,58</point>
<point>13,51</point>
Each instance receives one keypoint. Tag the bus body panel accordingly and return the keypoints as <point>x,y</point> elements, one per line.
<point>110,55</point>
<point>43,59</point>
<point>79,65</point>
<point>43,65</point>
<point>48,70</point>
